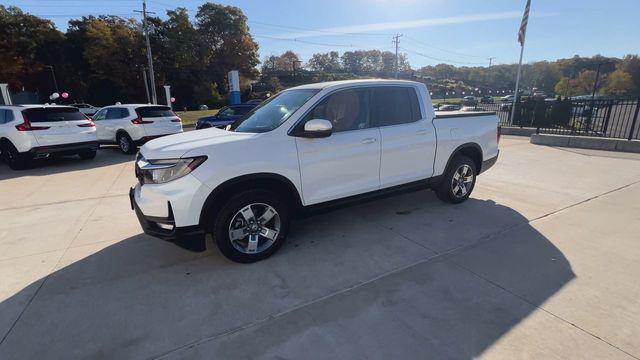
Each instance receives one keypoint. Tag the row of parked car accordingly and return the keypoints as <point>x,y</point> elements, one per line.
<point>29,132</point>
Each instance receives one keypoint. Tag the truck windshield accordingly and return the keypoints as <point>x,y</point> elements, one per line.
<point>273,112</point>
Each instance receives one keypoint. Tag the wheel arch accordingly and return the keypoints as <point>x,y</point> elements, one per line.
<point>471,150</point>
<point>269,181</point>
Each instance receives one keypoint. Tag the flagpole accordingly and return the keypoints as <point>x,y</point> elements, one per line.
<point>515,97</point>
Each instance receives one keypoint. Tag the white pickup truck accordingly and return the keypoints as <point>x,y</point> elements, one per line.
<point>307,147</point>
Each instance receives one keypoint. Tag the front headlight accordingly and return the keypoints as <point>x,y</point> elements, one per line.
<point>162,171</point>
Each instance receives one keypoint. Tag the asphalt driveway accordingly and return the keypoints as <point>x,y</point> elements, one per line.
<point>542,262</point>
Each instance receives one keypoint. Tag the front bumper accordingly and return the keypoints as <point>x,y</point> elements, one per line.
<point>65,149</point>
<point>188,237</point>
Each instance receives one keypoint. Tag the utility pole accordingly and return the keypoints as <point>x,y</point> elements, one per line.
<point>396,40</point>
<point>595,83</point>
<point>145,29</point>
<point>146,84</point>
<point>490,60</point>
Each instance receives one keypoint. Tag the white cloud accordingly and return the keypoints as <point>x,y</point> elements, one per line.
<point>397,25</point>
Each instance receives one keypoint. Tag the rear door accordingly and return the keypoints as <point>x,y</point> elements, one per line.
<point>59,125</point>
<point>408,139</point>
<point>159,120</point>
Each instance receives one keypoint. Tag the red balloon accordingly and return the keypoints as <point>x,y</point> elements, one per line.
<point>65,95</point>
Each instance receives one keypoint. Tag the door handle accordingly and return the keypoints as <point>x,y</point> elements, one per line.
<point>422,132</point>
<point>369,140</point>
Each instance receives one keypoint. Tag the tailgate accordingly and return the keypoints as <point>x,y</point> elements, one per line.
<point>159,120</point>
<point>58,125</point>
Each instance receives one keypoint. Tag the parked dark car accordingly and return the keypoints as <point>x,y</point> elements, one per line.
<point>225,116</point>
<point>487,100</point>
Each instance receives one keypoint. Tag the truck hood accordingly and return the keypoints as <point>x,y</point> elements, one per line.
<point>175,146</point>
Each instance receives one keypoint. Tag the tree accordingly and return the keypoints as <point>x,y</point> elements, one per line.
<point>327,62</point>
<point>566,87</point>
<point>27,44</point>
<point>109,51</point>
<point>227,43</point>
<point>286,61</point>
<point>631,65</point>
<point>619,83</point>
<point>181,65</point>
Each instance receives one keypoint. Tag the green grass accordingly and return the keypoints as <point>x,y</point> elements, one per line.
<point>190,117</point>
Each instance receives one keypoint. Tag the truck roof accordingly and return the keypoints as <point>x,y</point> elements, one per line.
<point>343,83</point>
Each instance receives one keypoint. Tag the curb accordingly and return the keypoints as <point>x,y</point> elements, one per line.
<point>517,131</point>
<point>585,142</point>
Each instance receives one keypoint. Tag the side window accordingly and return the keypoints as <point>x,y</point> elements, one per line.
<point>124,112</point>
<point>394,105</point>
<point>346,109</point>
<point>100,115</point>
<point>6,116</point>
<point>114,113</point>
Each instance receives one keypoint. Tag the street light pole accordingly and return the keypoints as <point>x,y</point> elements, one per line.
<point>55,83</point>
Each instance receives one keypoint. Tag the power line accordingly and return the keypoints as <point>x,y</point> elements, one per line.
<point>441,49</point>
<point>443,60</point>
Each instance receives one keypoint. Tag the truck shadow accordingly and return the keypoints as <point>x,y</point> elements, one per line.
<point>356,282</point>
<point>42,167</point>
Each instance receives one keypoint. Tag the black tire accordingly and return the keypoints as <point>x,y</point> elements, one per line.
<point>445,190</point>
<point>126,145</point>
<point>88,154</point>
<point>227,214</point>
<point>13,158</point>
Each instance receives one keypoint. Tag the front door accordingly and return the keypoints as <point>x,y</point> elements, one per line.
<point>347,162</point>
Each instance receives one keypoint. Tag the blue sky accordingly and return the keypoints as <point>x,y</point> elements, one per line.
<point>460,32</point>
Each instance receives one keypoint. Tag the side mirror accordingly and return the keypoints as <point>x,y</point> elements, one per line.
<point>317,128</point>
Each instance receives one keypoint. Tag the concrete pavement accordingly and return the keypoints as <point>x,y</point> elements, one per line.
<point>541,262</point>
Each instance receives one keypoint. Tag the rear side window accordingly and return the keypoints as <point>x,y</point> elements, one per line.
<point>6,116</point>
<point>116,113</point>
<point>53,114</point>
<point>394,106</point>
<point>154,111</point>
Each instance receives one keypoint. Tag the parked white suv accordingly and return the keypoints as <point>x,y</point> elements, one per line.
<point>130,125</point>
<point>38,131</point>
<point>86,109</point>
<point>307,147</point>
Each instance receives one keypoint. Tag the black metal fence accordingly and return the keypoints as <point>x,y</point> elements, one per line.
<point>613,118</point>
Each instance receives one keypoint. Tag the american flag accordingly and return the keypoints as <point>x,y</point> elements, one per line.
<point>523,24</point>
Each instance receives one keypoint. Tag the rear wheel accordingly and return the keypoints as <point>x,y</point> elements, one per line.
<point>88,154</point>
<point>125,143</point>
<point>251,226</point>
<point>458,181</point>
<point>13,158</point>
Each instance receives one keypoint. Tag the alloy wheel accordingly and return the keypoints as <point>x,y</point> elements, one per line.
<point>254,228</point>
<point>462,181</point>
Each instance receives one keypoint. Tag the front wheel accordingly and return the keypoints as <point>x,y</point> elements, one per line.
<point>458,181</point>
<point>251,226</point>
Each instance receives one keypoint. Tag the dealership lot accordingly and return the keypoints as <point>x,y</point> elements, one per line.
<point>541,262</point>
